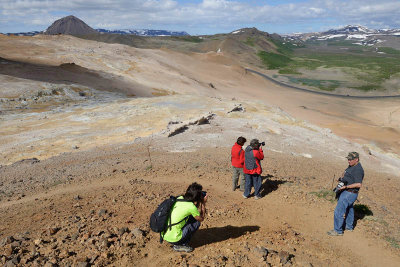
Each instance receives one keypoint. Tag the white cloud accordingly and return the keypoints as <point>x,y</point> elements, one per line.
<point>207,16</point>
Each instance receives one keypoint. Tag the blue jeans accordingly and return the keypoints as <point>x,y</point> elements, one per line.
<point>191,226</point>
<point>252,180</point>
<point>345,208</point>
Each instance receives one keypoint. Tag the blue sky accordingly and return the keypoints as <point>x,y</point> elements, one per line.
<point>202,16</point>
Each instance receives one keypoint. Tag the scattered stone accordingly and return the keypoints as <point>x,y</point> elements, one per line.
<point>7,240</point>
<point>94,258</point>
<point>137,233</point>
<point>77,197</point>
<point>102,212</point>
<point>53,230</point>
<point>82,264</point>
<point>261,251</point>
<point>11,263</point>
<point>284,256</point>
<point>123,230</point>
<point>31,161</point>
<point>238,108</point>
<point>37,242</point>
<point>75,236</point>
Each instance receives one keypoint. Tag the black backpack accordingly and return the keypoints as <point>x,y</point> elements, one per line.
<point>159,218</point>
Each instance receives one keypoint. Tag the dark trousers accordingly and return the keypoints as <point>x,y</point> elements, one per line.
<point>252,180</point>
<point>191,226</point>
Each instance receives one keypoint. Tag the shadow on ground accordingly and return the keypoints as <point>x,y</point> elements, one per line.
<point>360,211</point>
<point>68,73</point>
<point>217,234</point>
<point>270,185</point>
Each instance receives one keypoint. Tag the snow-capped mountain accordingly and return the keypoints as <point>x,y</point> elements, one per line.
<point>25,33</point>
<point>359,34</point>
<point>144,32</point>
<point>348,32</point>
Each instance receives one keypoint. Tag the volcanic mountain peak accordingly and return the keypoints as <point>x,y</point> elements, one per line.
<point>249,31</point>
<point>70,25</point>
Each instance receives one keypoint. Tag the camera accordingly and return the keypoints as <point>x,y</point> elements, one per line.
<point>262,144</point>
<point>337,188</point>
<point>203,194</point>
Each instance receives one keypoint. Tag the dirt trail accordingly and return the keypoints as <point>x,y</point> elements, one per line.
<point>288,217</point>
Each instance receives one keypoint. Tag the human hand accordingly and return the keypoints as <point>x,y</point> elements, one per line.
<point>205,198</point>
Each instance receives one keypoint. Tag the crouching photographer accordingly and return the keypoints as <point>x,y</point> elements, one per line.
<point>185,217</point>
<point>348,188</point>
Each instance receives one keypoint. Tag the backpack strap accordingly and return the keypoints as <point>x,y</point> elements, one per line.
<point>172,224</point>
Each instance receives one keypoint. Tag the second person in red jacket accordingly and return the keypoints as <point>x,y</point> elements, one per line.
<point>252,168</point>
<point>237,159</point>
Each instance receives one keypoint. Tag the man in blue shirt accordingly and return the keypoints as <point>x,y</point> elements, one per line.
<point>352,179</point>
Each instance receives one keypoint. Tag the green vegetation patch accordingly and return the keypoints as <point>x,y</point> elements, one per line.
<point>368,87</point>
<point>371,70</point>
<point>339,42</point>
<point>325,194</point>
<point>249,41</point>
<point>389,50</point>
<point>285,48</point>
<point>327,85</point>
<point>393,242</point>
<point>193,39</point>
<point>273,60</point>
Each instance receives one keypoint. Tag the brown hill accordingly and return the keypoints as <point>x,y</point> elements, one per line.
<point>70,25</point>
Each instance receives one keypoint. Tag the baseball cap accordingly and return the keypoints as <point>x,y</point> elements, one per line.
<point>353,155</point>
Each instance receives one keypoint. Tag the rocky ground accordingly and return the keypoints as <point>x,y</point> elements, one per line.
<point>92,207</point>
<point>82,167</point>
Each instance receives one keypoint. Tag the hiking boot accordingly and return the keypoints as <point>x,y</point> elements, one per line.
<point>334,233</point>
<point>257,197</point>
<point>245,197</point>
<point>349,230</point>
<point>183,248</point>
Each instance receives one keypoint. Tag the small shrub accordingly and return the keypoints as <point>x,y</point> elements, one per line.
<point>325,194</point>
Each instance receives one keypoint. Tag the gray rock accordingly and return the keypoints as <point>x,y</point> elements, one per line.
<point>137,233</point>
<point>53,230</point>
<point>123,230</point>
<point>284,256</point>
<point>102,212</point>
<point>13,262</point>
<point>82,264</point>
<point>7,240</point>
<point>261,251</point>
<point>10,263</point>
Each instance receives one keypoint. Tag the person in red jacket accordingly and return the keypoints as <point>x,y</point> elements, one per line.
<point>252,168</point>
<point>237,159</point>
